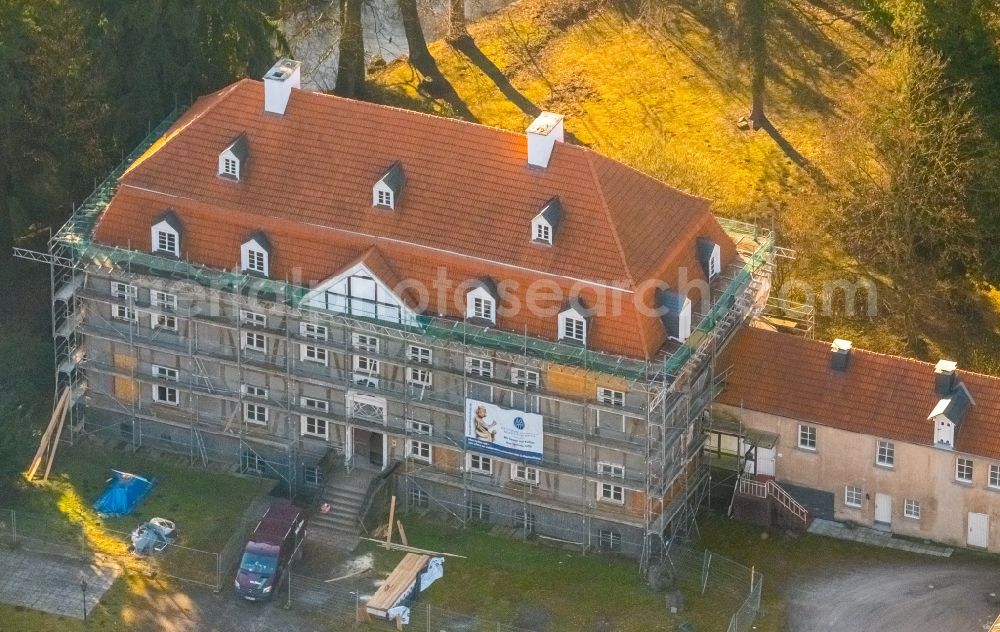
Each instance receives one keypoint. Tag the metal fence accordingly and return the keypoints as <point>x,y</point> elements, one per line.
<point>52,536</point>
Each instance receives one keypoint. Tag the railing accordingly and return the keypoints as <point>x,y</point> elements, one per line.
<point>749,487</point>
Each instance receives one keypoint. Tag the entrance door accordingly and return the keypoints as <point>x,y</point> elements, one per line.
<point>765,461</point>
<point>979,530</point>
<point>883,508</point>
<point>375,449</point>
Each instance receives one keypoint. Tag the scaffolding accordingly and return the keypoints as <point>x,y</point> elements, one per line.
<point>678,383</point>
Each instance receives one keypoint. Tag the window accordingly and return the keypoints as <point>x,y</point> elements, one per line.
<point>366,343</point>
<point>165,321</point>
<point>313,331</point>
<point>312,353</point>
<point>524,377</point>
<point>885,453</point>
<point>612,493</point>
<point>315,404</point>
<point>543,232</point>
<point>419,377</point>
<point>523,520</point>
<point>162,393</point>
<point>963,470</point>
<point>256,261</point>
<point>250,390</point>
<point>123,290</point>
<point>166,241</point>
<point>480,304</point>
<point>255,341</point>
<point>123,312</point>
<point>254,413</point>
<point>418,450</point>
<point>315,427</point>
<point>994,476</point>
<point>609,540</point>
<point>574,329</point>
<point>482,308</point>
<point>479,367</point>
<point>911,509</point>
<point>807,437</point>
<point>524,474</point>
<point>421,355</point>
<point>853,496</point>
<point>713,265</point>
<point>611,471</point>
<point>311,475</point>
<point>253,319</point>
<point>478,511</point>
<point>479,464</point>
<point>165,373</point>
<point>366,365</point>
<point>162,300</point>
<point>230,167</point>
<point>419,498</point>
<point>419,427</point>
<point>610,397</point>
<point>252,462</point>
<point>384,198</point>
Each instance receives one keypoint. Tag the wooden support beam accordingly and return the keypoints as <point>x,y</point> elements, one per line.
<point>43,445</point>
<point>392,516</point>
<point>55,442</point>
<point>402,533</point>
<point>410,549</point>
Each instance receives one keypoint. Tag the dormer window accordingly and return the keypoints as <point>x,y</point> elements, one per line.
<point>710,257</point>
<point>481,301</point>
<point>166,235</point>
<point>675,314</point>
<point>543,226</point>
<point>255,254</point>
<point>573,323</point>
<point>387,190</point>
<point>234,158</point>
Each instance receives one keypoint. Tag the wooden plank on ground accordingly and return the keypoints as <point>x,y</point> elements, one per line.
<point>392,515</point>
<point>55,442</point>
<point>43,445</point>
<point>398,583</point>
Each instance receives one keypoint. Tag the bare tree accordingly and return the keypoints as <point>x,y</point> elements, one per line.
<point>420,56</point>
<point>351,63</point>
<point>456,20</point>
<point>755,22</point>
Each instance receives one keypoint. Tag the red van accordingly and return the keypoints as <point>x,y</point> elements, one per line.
<point>276,538</point>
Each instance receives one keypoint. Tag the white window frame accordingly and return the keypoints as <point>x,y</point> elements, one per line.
<point>419,376</point>
<point>993,481</point>
<point>415,450</point>
<point>230,167</point>
<point>572,328</point>
<point>525,377</point>
<point>366,343</point>
<point>524,473</point>
<point>480,464</point>
<point>253,319</point>
<point>313,331</point>
<point>166,240</point>
<point>911,509</point>
<point>885,453</point>
<point>853,496</point>
<point>963,465</point>
<point>420,355</point>
<point>312,403</point>
<point>257,392</point>
<point>124,312</point>
<point>254,341</point>
<point>315,354</point>
<point>316,422</point>
<point>255,260</point>
<point>366,366</point>
<point>166,373</point>
<point>480,304</point>
<point>124,290</point>
<point>543,232</point>
<point>480,367</point>
<point>162,393</point>
<point>383,197</point>
<point>808,438</point>
<point>611,493</point>
<point>167,322</point>
<point>611,470</point>
<point>610,397</point>
<point>419,427</point>
<point>163,300</point>
<point>257,414</point>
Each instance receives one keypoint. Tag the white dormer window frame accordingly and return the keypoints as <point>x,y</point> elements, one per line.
<point>383,196</point>
<point>573,326</point>
<point>480,304</point>
<point>254,258</point>
<point>229,165</point>
<point>165,239</point>
<point>541,231</point>
<point>714,262</point>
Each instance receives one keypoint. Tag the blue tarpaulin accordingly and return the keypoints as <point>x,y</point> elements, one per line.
<point>123,493</point>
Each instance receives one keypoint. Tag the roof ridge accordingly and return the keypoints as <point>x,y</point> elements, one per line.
<point>611,222</point>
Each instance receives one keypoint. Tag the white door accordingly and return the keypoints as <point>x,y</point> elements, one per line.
<point>765,461</point>
<point>883,508</point>
<point>979,530</point>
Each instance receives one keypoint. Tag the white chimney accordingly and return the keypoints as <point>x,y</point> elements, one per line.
<point>278,84</point>
<point>543,133</point>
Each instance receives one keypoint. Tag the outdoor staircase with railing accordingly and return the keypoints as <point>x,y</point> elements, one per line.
<point>774,495</point>
<point>344,496</point>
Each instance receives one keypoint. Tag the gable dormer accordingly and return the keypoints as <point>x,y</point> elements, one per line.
<point>481,300</point>
<point>574,322</point>
<point>544,225</point>
<point>709,256</point>
<point>255,254</point>
<point>233,159</point>
<point>675,313</point>
<point>389,187</point>
<point>165,235</point>
<point>952,407</point>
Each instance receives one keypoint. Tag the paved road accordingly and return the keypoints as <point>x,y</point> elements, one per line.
<point>52,584</point>
<point>919,596</point>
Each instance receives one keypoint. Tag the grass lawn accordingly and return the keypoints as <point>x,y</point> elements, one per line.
<point>660,94</point>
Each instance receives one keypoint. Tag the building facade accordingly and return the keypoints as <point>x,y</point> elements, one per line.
<point>877,440</point>
<point>293,284</point>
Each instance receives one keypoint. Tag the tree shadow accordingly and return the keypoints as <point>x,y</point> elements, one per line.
<point>467,47</point>
<point>794,155</point>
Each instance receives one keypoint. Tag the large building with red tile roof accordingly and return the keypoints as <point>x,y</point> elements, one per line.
<point>321,290</point>
<point>902,445</point>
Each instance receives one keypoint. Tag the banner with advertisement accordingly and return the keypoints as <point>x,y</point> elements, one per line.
<point>502,431</point>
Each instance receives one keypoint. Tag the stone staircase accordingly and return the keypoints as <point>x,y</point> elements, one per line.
<point>345,493</point>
